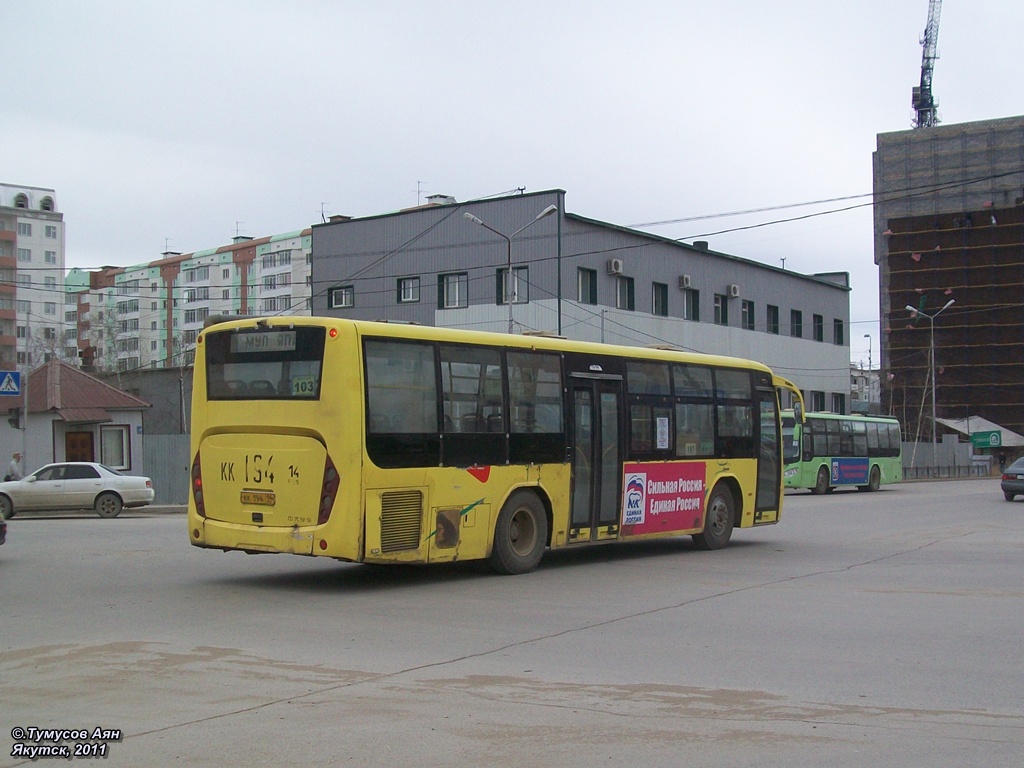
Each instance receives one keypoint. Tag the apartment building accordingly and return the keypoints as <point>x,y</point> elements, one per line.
<point>148,315</point>
<point>31,275</point>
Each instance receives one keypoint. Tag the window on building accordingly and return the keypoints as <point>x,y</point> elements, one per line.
<point>342,296</point>
<point>114,447</point>
<point>818,327</point>
<point>721,309</point>
<point>225,273</point>
<point>691,304</point>
<point>408,290</point>
<point>817,401</point>
<point>24,281</point>
<point>225,294</point>
<point>453,290</point>
<point>838,402</point>
<point>50,308</point>
<point>838,334</point>
<point>24,254</point>
<point>24,229</point>
<point>50,282</point>
<point>659,299</point>
<point>21,331</point>
<point>50,257</point>
<point>519,290</point>
<point>773,319</point>
<point>586,286</point>
<point>625,297</point>
<point>747,314</point>
<point>50,231</point>
<point>796,327</point>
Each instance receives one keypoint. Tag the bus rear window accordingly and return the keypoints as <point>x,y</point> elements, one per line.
<point>275,363</point>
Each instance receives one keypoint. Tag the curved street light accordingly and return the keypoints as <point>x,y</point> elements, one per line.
<point>509,298</point>
<point>914,312</point>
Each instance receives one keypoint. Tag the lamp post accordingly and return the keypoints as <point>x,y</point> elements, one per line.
<point>509,298</point>
<point>931,353</point>
<point>868,337</point>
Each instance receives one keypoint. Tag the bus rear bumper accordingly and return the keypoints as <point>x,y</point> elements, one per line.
<point>212,534</point>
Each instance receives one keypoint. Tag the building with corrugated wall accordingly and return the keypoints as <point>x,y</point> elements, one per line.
<point>447,264</point>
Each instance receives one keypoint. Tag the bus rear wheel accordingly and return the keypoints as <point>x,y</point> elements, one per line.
<point>874,481</point>
<point>718,520</point>
<point>520,534</point>
<point>821,483</point>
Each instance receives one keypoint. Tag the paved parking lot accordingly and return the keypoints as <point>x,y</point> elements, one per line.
<point>864,629</point>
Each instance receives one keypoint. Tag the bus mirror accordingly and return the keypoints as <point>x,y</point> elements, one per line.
<point>798,413</point>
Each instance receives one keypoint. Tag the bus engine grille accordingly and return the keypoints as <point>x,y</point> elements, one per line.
<point>400,520</point>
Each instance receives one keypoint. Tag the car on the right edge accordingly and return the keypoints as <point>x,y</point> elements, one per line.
<point>1013,480</point>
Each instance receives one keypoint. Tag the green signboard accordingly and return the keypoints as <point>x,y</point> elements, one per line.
<point>991,439</point>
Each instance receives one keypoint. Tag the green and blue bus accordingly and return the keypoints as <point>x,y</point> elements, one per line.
<point>824,451</point>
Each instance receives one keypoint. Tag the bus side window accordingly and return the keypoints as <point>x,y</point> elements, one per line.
<point>535,393</point>
<point>401,388</point>
<point>873,447</point>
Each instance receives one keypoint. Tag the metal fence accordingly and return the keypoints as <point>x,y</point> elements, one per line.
<point>166,460</point>
<point>935,473</point>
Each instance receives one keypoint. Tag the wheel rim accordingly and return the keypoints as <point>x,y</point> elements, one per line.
<point>522,532</point>
<point>718,516</point>
<point>108,505</point>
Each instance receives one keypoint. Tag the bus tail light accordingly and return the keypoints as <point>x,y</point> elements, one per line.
<point>197,486</point>
<point>328,491</point>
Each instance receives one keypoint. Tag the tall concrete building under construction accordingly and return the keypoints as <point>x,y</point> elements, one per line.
<point>949,245</point>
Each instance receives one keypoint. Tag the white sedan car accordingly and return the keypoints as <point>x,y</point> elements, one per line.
<point>75,485</point>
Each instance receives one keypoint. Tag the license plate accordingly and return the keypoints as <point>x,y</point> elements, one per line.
<point>264,498</point>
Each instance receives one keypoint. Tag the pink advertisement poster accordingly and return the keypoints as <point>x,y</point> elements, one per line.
<point>662,497</point>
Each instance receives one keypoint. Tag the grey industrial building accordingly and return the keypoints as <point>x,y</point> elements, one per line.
<point>949,227</point>
<point>446,264</point>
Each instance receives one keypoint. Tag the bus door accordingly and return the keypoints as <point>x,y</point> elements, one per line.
<point>597,436</point>
<point>769,459</point>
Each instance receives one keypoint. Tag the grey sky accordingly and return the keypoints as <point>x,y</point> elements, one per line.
<point>174,125</point>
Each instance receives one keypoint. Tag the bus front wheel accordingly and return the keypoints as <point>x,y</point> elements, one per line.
<point>520,534</point>
<point>821,484</point>
<point>718,521</point>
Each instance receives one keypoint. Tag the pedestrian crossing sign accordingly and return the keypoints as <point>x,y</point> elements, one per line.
<point>10,382</point>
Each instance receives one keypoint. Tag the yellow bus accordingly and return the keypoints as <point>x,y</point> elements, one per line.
<point>383,443</point>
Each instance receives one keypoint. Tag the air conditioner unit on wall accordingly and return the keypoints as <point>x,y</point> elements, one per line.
<point>684,281</point>
<point>614,266</point>
<point>734,290</point>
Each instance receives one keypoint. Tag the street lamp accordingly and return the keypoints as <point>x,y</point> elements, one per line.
<point>931,353</point>
<point>509,298</point>
<point>868,337</point>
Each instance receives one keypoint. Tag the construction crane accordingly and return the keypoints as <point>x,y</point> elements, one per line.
<point>924,102</point>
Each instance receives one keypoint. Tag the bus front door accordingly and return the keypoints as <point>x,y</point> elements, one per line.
<point>597,460</point>
<point>769,464</point>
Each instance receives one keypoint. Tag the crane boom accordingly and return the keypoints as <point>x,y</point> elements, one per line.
<point>923,101</point>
